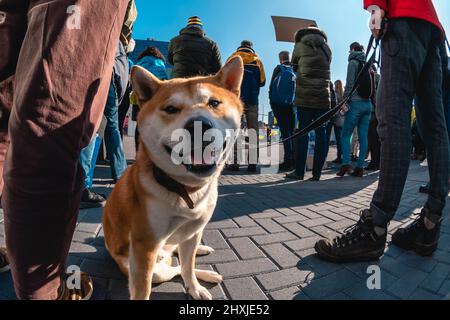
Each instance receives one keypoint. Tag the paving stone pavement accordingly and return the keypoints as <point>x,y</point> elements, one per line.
<point>264,230</point>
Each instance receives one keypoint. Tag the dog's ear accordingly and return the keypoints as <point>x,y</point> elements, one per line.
<point>144,83</point>
<point>231,75</point>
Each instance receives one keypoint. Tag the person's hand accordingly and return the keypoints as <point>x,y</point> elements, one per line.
<point>376,20</point>
<point>344,109</point>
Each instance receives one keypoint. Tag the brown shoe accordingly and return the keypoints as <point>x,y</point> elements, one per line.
<point>345,169</point>
<point>358,172</point>
<point>84,292</point>
<point>4,262</point>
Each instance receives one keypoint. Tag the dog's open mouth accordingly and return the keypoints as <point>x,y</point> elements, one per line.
<point>198,162</point>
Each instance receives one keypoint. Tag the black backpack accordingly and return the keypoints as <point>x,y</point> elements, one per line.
<point>366,88</point>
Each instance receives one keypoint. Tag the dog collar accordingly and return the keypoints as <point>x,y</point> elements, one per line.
<point>174,186</point>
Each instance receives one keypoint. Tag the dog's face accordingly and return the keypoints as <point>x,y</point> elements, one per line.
<point>177,115</point>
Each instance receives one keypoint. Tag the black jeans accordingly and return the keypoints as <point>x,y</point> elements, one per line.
<point>286,121</point>
<point>411,67</point>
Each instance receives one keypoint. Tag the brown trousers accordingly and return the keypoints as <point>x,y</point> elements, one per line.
<point>56,62</point>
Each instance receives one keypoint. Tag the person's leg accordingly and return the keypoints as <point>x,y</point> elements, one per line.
<point>447,110</point>
<point>305,116</point>
<point>113,141</point>
<point>328,130</point>
<point>252,125</point>
<point>347,132</point>
<point>283,115</point>
<point>320,147</point>
<point>374,143</point>
<point>98,143</point>
<point>86,156</point>
<point>431,121</point>
<point>363,131</point>
<point>400,78</point>
<point>338,134</point>
<point>41,199</point>
<point>123,109</point>
<point>12,31</point>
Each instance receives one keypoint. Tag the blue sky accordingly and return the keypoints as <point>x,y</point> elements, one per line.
<point>230,21</point>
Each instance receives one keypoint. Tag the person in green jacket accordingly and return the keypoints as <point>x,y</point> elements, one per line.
<point>311,61</point>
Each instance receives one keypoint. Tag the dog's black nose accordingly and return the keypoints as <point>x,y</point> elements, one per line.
<point>204,123</point>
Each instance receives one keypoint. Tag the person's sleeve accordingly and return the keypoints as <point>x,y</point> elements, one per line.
<point>274,74</point>
<point>262,73</point>
<point>351,77</point>
<point>217,59</point>
<point>294,61</point>
<point>130,19</point>
<point>381,3</point>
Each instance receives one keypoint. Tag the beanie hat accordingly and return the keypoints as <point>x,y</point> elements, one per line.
<point>247,44</point>
<point>195,21</point>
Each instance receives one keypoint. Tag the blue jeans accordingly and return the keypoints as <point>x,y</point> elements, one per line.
<point>305,117</point>
<point>88,159</point>
<point>358,116</point>
<point>286,120</point>
<point>113,141</point>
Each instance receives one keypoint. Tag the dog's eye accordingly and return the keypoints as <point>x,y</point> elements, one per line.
<point>171,110</point>
<point>214,103</point>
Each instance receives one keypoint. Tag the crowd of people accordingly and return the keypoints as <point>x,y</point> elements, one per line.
<point>51,122</point>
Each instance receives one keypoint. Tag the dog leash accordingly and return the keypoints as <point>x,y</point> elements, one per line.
<point>331,113</point>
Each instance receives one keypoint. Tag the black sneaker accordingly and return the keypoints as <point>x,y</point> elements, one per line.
<point>91,199</point>
<point>425,189</point>
<point>285,167</point>
<point>417,237</point>
<point>252,168</point>
<point>358,243</point>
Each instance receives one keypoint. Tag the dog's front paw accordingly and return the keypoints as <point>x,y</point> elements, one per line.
<point>200,293</point>
<point>204,250</point>
<point>209,276</point>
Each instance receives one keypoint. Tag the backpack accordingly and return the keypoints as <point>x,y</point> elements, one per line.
<point>366,88</point>
<point>282,89</point>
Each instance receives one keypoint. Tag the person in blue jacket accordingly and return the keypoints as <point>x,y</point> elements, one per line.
<point>153,61</point>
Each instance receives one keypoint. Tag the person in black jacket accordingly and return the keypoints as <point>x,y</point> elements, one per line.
<point>192,53</point>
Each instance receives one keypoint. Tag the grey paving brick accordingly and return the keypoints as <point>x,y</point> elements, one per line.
<point>245,221</point>
<point>303,244</point>
<point>106,269</point>
<point>306,212</point>
<point>266,214</point>
<point>315,222</point>
<point>299,230</point>
<point>244,289</point>
<point>436,278</point>
<point>445,290</point>
<point>214,239</point>
<point>88,251</point>
<point>274,238</point>
<point>407,284</point>
<point>222,224</point>
<point>83,237</point>
<point>245,268</point>
<point>270,225</point>
<point>246,249</point>
<point>281,255</point>
<point>88,227</point>
<point>325,232</point>
<point>218,256</point>
<point>243,232</point>
<point>341,225</point>
<point>421,294</point>
<point>292,293</point>
<point>330,284</point>
<point>284,278</point>
<point>413,260</point>
<point>290,219</point>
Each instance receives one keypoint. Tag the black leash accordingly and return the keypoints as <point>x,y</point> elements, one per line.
<point>331,113</point>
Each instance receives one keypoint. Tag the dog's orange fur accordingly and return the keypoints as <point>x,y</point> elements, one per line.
<point>126,215</point>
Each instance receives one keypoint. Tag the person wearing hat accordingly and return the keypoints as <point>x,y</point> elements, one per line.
<point>192,53</point>
<point>254,79</point>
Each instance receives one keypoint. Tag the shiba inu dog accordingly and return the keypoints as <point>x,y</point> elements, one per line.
<point>160,207</point>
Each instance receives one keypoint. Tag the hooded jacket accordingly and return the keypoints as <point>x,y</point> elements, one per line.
<point>193,54</point>
<point>254,76</point>
<point>419,9</point>
<point>154,65</point>
<point>355,59</point>
<point>311,61</point>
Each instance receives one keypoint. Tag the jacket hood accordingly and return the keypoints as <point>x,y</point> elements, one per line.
<point>357,55</point>
<point>248,56</point>
<point>311,34</point>
<point>194,31</point>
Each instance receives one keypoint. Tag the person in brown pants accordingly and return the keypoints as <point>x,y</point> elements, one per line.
<point>56,63</point>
